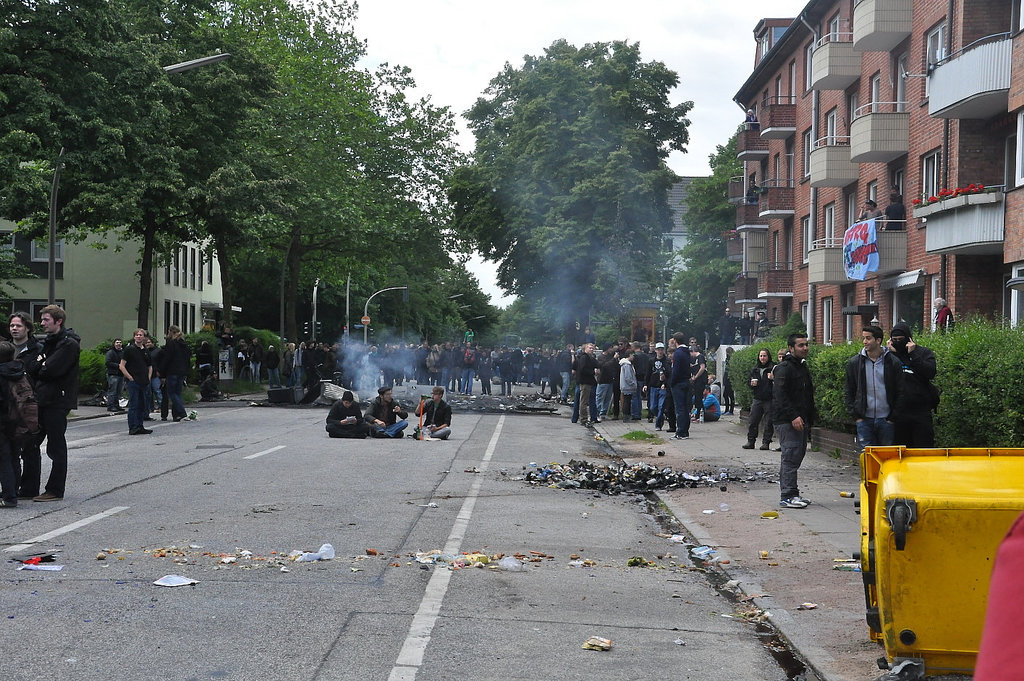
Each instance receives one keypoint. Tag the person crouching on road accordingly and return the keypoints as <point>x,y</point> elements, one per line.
<point>345,420</point>
<point>385,416</point>
<point>437,416</point>
<point>712,407</point>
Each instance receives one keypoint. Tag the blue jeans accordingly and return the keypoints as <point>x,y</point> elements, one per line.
<point>153,400</point>
<point>604,400</point>
<point>657,399</point>
<point>681,397</point>
<point>173,387</point>
<point>255,367</point>
<point>636,408</point>
<point>875,432</point>
<point>446,376</point>
<point>115,385</point>
<point>565,384</point>
<point>394,430</point>
<point>467,381</point>
<point>137,403</point>
<point>274,378</point>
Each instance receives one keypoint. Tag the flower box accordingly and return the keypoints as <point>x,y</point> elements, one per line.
<point>957,202</point>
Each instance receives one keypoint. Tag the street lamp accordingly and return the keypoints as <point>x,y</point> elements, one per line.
<point>366,307</point>
<point>196,63</point>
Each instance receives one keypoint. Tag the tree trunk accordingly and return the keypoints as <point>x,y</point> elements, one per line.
<point>220,248</point>
<point>146,274</point>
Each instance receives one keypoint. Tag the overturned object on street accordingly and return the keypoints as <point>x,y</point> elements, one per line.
<point>633,478</point>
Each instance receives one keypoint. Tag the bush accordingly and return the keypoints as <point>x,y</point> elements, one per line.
<point>92,372</point>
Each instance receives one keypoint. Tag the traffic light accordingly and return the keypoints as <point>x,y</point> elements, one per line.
<point>305,329</point>
<point>319,327</point>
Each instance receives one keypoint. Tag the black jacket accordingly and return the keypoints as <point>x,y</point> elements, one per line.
<point>57,373</point>
<point>339,412</point>
<point>856,392</point>
<point>917,369</point>
<point>175,358</point>
<point>437,414</point>
<point>763,390</point>
<point>385,412</point>
<point>792,392</point>
<point>584,366</point>
<point>112,361</point>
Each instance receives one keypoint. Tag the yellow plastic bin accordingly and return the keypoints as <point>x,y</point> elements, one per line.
<point>931,522</point>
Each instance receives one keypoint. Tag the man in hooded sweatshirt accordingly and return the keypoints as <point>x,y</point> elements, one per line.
<point>912,413</point>
<point>627,386</point>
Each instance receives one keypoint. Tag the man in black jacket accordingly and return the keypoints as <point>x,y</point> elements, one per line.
<point>584,366</point>
<point>793,409</point>
<point>386,417</point>
<point>872,379</point>
<point>345,420</point>
<point>917,398</point>
<point>27,350</point>
<point>437,416</point>
<point>56,393</point>
<point>115,381</point>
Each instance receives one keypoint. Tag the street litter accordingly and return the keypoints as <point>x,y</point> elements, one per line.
<point>511,564</point>
<point>723,507</point>
<point>639,561</point>
<point>708,511</point>
<point>42,568</point>
<point>175,580</point>
<point>764,555</point>
<point>597,643</point>
<point>678,538</point>
<point>846,565</point>
<point>432,504</point>
<point>770,515</point>
<point>679,642</point>
<point>613,479</point>
<point>846,495</point>
<point>807,606</point>
<point>326,552</point>
<point>472,469</point>
<point>702,552</point>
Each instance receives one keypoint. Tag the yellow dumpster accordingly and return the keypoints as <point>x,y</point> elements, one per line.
<point>931,522</point>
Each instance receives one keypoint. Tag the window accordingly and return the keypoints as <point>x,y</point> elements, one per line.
<point>901,83</point>
<point>808,60</point>
<point>833,28</point>
<point>852,109</point>
<point>192,270</point>
<point>1017,300</point>
<point>897,181</point>
<point>787,243</point>
<point>807,154</point>
<point>789,161</point>
<point>807,233</point>
<point>792,82</point>
<point>803,312</point>
<point>876,92</point>
<point>1019,11</point>
<point>192,318</point>
<point>872,191</point>
<point>202,270</point>
<point>935,50</point>
<point>176,265</point>
<point>1019,180</point>
<point>41,251</point>
<point>778,89</point>
<point>167,314</point>
<point>167,274</point>
<point>765,44</point>
<point>851,208</point>
<point>826,321</point>
<point>830,223</point>
<point>177,314</point>
<point>830,128</point>
<point>850,302</point>
<point>930,169</point>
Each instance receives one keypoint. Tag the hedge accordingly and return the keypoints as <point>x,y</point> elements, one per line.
<point>979,373</point>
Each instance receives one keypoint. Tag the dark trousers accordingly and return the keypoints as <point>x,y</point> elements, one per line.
<point>8,477</point>
<point>53,423</point>
<point>349,430</point>
<point>760,409</point>
<point>915,429</point>
<point>682,399</point>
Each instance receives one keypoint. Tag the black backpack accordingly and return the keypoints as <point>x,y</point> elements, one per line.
<point>21,410</point>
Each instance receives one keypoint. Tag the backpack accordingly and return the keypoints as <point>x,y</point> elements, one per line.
<point>21,410</point>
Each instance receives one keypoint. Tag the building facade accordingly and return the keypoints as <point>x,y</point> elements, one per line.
<point>97,283</point>
<point>894,101</point>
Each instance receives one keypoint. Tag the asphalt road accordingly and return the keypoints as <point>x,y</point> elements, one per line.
<point>193,498</point>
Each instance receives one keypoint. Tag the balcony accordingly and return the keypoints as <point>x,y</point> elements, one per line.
<point>830,163</point>
<point>734,249</point>
<point>776,200</point>
<point>834,64</point>
<point>892,251</point>
<point>881,25</point>
<point>750,146</point>
<point>744,290</point>
<point>778,118</point>
<point>825,262</point>
<point>973,83</point>
<point>880,133</point>
<point>748,217</point>
<point>755,244</point>
<point>736,191</point>
<point>775,280</point>
<point>972,224</point>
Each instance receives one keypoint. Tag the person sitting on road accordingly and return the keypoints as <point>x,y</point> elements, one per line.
<point>209,391</point>
<point>437,416</point>
<point>386,417</point>
<point>345,420</point>
<point>712,407</point>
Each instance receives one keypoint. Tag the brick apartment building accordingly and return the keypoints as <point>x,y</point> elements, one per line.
<point>859,99</point>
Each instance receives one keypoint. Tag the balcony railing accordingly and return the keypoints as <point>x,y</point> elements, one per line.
<point>830,163</point>
<point>734,249</point>
<point>776,198</point>
<point>774,279</point>
<point>825,262</point>
<point>778,117</point>
<point>971,224</point>
<point>834,64</point>
<point>748,216</point>
<point>754,245</point>
<point>750,146</point>
<point>879,133</point>
<point>974,82</point>
<point>744,290</point>
<point>881,25</point>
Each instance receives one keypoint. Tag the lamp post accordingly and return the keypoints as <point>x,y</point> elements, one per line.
<point>196,63</point>
<point>366,307</point>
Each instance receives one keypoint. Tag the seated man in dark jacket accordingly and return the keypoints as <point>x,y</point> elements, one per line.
<point>386,417</point>
<point>437,416</point>
<point>345,419</point>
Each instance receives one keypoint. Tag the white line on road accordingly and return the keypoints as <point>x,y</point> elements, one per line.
<point>67,528</point>
<point>265,451</point>
<point>410,658</point>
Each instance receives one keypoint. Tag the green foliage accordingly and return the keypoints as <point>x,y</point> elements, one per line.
<point>642,435</point>
<point>92,372</point>
<point>795,324</point>
<point>739,370</point>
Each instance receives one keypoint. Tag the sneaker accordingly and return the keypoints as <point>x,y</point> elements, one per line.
<point>47,496</point>
<point>764,448</point>
<point>793,502</point>
<point>8,504</point>
<point>680,437</point>
<point>749,445</point>
<point>802,500</point>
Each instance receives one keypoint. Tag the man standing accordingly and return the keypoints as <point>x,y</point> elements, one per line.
<point>437,416</point>
<point>913,408</point>
<point>57,394</point>
<point>137,368</point>
<point>726,328</point>
<point>386,418</point>
<point>585,367</point>
<point>680,384</point>
<point>872,377</point>
<point>563,365</point>
<point>793,406</point>
<point>699,377</point>
<point>115,381</point>
<point>26,349</point>
<point>657,382</point>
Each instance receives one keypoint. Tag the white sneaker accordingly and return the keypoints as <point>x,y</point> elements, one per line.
<point>793,502</point>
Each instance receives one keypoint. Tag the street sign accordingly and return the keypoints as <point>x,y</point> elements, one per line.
<point>365,320</point>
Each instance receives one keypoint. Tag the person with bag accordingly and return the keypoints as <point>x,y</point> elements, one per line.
<point>19,418</point>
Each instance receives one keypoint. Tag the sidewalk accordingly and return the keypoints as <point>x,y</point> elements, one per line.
<point>801,544</point>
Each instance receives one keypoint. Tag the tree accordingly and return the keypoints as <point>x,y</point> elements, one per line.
<point>567,190</point>
<point>699,289</point>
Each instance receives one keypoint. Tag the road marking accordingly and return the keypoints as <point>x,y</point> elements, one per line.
<point>265,451</point>
<point>410,658</point>
<point>67,528</point>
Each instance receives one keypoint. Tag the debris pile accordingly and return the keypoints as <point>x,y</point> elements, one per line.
<point>632,478</point>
